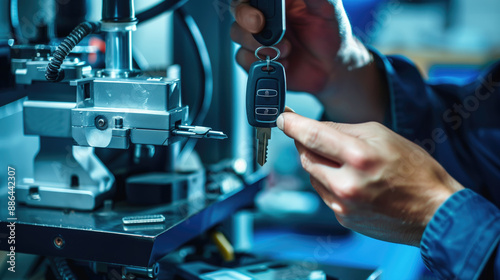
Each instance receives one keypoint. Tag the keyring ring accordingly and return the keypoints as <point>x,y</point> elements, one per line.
<point>278,53</point>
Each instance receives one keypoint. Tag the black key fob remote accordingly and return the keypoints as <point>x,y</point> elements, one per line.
<point>266,89</point>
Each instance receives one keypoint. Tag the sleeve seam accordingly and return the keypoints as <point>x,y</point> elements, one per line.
<point>470,253</point>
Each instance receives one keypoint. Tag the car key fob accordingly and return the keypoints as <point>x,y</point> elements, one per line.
<point>266,89</point>
<point>274,14</point>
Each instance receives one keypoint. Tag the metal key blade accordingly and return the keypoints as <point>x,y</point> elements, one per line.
<point>198,132</point>
<point>263,136</point>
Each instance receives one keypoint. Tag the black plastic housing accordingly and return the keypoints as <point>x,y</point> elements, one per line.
<point>274,13</point>
<point>274,81</point>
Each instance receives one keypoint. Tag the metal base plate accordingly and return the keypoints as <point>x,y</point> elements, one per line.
<point>101,236</point>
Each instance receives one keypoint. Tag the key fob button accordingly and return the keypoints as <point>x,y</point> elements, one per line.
<point>267,93</point>
<point>266,114</point>
<point>267,97</point>
<point>265,111</point>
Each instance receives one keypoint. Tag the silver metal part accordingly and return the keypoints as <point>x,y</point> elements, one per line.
<point>112,113</point>
<point>113,109</point>
<point>65,177</point>
<point>47,118</point>
<point>119,50</point>
<point>198,132</point>
<point>278,53</point>
<point>118,57</point>
<point>147,219</point>
<point>263,137</point>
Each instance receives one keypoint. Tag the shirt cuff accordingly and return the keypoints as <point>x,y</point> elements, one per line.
<point>461,237</point>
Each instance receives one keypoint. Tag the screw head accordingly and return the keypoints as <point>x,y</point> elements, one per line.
<point>101,122</point>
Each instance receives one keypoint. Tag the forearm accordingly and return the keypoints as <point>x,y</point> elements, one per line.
<point>358,90</point>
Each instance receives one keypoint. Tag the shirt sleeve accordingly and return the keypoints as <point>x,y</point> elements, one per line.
<point>462,237</point>
<point>458,123</point>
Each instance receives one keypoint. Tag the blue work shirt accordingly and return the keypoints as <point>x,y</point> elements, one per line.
<point>458,123</point>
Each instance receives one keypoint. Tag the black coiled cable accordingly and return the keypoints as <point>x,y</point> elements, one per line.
<point>61,269</point>
<point>53,72</point>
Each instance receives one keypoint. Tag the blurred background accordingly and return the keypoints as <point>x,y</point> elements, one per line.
<point>445,38</point>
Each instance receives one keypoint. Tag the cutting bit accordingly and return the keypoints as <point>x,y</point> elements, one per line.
<point>198,132</point>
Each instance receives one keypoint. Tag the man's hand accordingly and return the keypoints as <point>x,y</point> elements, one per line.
<point>321,56</point>
<point>378,183</point>
<point>311,44</point>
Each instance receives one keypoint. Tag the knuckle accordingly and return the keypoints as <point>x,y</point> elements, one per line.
<point>375,124</point>
<point>312,137</point>
<point>346,191</point>
<point>362,159</point>
<point>305,160</point>
<point>350,191</point>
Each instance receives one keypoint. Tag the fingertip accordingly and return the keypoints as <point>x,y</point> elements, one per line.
<point>280,122</point>
<point>249,18</point>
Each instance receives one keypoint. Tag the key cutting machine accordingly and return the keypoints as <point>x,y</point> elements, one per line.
<point>102,156</point>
